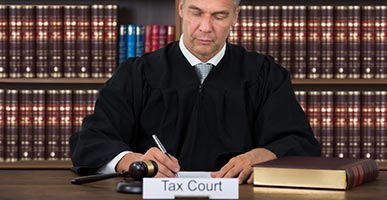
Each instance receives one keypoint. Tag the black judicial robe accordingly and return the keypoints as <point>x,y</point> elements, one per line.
<point>245,102</point>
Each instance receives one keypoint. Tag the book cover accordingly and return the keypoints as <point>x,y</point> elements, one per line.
<point>315,172</point>
<point>4,41</point>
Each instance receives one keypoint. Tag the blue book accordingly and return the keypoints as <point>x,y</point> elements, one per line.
<point>131,41</point>
<point>122,41</point>
<point>140,31</point>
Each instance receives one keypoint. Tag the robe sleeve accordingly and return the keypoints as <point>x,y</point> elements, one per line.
<point>282,125</point>
<point>109,129</point>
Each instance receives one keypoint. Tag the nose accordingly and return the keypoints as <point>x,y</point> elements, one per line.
<point>205,24</point>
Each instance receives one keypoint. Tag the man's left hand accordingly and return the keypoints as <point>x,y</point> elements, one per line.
<point>241,166</point>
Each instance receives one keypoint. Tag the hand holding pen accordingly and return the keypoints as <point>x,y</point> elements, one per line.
<point>168,165</point>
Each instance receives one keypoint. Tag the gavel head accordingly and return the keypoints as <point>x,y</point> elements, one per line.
<point>141,169</point>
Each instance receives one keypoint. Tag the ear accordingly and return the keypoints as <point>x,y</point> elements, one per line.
<point>236,15</point>
<point>181,8</point>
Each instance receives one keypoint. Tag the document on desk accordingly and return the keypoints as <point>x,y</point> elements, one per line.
<point>191,184</point>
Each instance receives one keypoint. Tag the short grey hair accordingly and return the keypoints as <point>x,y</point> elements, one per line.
<point>236,3</point>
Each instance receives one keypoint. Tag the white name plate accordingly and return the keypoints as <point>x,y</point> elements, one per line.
<point>169,188</point>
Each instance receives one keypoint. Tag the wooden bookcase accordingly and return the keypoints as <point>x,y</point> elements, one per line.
<point>166,12</point>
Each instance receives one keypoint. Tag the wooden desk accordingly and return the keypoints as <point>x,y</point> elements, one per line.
<point>55,184</point>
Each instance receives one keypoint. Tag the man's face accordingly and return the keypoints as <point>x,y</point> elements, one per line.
<point>206,25</point>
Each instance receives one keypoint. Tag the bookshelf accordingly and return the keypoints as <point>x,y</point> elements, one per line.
<point>166,12</point>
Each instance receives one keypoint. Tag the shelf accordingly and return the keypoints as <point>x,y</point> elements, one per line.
<point>103,80</point>
<point>37,164</point>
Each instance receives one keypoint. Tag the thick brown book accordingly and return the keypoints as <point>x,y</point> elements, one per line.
<point>315,172</point>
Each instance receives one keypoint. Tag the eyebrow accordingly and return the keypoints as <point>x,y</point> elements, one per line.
<point>222,12</point>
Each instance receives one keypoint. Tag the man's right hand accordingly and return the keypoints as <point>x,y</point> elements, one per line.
<point>168,167</point>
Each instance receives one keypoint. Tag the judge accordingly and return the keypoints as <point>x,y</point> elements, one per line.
<point>214,106</point>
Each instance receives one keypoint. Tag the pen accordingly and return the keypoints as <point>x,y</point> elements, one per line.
<point>161,147</point>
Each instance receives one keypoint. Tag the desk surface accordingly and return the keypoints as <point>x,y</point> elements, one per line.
<point>55,184</point>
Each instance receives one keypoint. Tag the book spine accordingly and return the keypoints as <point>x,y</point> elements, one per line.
<point>341,42</point>
<point>247,22</point>
<point>341,124</point>
<point>327,132</point>
<point>140,32</point>
<point>260,29</point>
<point>155,37</point>
<point>368,125</point>
<point>123,40</point>
<point>354,122</point>
<point>91,97</point>
<point>110,39</point>
<point>42,40</point>
<point>380,42</point>
<point>299,45</point>
<point>274,29</point>
<point>360,173</point>
<point>4,58</point>
<point>2,124</point>
<point>162,36</point>
<point>314,42</point>
<point>354,42</point>
<point>171,34</point>
<point>314,113</point>
<point>52,125</point>
<point>39,125</point>
<point>65,123</point>
<point>11,125</point>
<point>28,42</point>
<point>380,125</point>
<point>70,16</point>
<point>302,100</point>
<point>97,41</point>
<point>368,42</point>
<point>25,124</point>
<point>55,49</point>
<point>327,40</point>
<point>15,41</point>
<point>234,35</point>
<point>148,39</point>
<point>79,108</point>
<point>287,38</point>
<point>131,41</point>
<point>82,57</point>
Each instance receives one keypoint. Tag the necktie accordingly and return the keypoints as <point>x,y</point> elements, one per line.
<point>202,69</point>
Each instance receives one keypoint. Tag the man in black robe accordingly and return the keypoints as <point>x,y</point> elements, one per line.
<point>242,113</point>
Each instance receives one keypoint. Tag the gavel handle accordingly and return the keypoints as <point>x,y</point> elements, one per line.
<point>98,177</point>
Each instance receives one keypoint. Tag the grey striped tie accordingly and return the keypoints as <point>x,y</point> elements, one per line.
<point>202,69</point>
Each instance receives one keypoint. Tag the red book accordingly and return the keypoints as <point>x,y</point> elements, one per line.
<point>171,34</point>
<point>368,125</point>
<point>3,42</point>
<point>2,124</point>
<point>39,125</point>
<point>287,38</point>
<point>15,41</point>
<point>162,36</point>
<point>341,124</point>
<point>246,19</point>
<point>380,42</point>
<point>79,108</point>
<point>155,37</point>
<point>354,124</point>
<point>55,38</point>
<point>11,140</point>
<point>28,42</point>
<point>42,40</point>
<point>368,42</point>
<point>314,42</point>
<point>25,124</point>
<point>65,123</point>
<point>317,172</point>
<point>327,40</point>
<point>82,56</point>
<point>97,41</point>
<point>70,16</point>
<point>110,39</point>
<point>380,125</point>
<point>260,29</point>
<point>52,125</point>
<point>148,39</point>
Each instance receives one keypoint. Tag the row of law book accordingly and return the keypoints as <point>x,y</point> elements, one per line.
<point>348,124</point>
<point>55,41</point>
<point>321,41</point>
<point>36,124</point>
<point>135,40</point>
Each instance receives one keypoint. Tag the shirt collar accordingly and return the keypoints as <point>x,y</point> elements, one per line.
<point>193,60</point>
